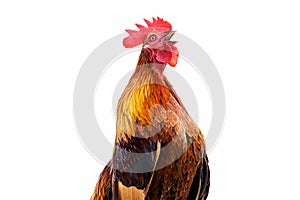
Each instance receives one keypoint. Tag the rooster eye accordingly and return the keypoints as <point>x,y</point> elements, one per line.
<point>152,38</point>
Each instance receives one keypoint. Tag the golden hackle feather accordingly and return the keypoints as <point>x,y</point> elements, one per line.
<point>151,116</point>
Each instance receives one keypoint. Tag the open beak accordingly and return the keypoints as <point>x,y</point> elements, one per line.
<point>169,35</point>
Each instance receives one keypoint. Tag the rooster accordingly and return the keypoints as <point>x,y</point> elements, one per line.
<point>159,150</point>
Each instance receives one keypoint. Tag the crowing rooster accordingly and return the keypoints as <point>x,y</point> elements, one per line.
<point>159,150</point>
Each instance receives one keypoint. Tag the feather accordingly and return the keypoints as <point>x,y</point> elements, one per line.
<point>159,150</point>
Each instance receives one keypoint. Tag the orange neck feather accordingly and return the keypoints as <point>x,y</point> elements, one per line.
<point>146,88</point>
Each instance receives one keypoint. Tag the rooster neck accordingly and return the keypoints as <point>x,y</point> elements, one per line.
<point>147,59</point>
<point>147,72</point>
<point>147,90</point>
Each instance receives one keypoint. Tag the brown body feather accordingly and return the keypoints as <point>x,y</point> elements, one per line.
<point>151,117</point>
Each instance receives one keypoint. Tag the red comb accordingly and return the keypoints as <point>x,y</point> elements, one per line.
<point>137,37</point>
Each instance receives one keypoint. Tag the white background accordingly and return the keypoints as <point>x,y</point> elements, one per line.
<point>254,44</point>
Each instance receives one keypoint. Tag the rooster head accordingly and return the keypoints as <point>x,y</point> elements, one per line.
<point>156,41</point>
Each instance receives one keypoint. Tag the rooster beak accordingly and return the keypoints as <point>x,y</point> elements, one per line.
<point>169,35</point>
